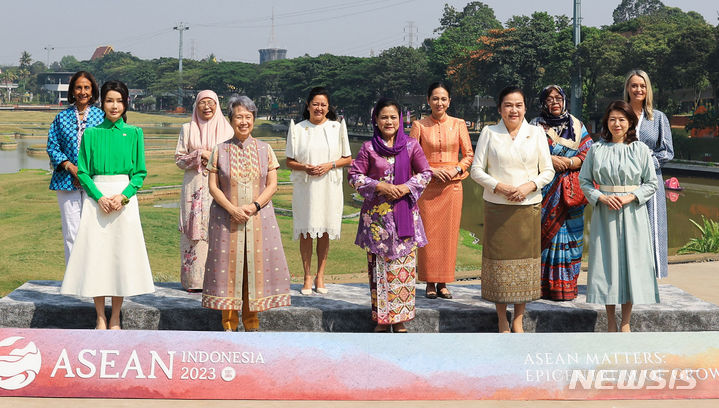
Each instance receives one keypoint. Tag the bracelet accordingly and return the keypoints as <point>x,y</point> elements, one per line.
<point>125,201</point>
<point>334,164</point>
<point>571,161</point>
<point>257,205</point>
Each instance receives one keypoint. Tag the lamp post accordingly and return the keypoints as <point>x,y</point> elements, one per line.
<point>181,27</point>
<point>576,92</point>
<point>48,49</point>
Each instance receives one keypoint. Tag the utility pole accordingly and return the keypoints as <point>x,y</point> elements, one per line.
<point>48,49</point>
<point>576,92</point>
<point>180,27</point>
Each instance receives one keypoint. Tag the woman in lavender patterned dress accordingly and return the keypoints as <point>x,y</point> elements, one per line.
<point>246,267</point>
<point>390,172</point>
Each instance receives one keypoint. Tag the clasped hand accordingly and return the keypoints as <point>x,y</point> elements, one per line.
<point>444,174</point>
<point>616,202</point>
<point>110,204</point>
<point>391,191</point>
<point>318,170</point>
<point>516,194</point>
<point>561,164</point>
<point>242,213</point>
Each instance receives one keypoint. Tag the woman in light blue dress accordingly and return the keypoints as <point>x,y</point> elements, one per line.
<point>618,179</point>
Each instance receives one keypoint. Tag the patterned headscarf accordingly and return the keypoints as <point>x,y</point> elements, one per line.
<point>206,134</point>
<point>561,124</point>
<point>402,170</point>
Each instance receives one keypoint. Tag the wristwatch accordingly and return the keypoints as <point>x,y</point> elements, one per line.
<point>459,170</point>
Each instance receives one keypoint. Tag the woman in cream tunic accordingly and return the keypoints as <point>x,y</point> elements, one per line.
<point>317,149</point>
<point>512,163</point>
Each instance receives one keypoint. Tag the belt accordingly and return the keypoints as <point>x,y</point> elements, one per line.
<point>618,189</point>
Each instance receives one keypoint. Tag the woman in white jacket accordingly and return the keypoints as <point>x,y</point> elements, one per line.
<point>512,163</point>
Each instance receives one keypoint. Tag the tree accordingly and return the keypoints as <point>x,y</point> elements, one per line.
<point>600,56</point>
<point>631,9</point>
<point>402,71</point>
<point>71,64</point>
<point>25,60</point>
<point>520,54</point>
<point>459,31</point>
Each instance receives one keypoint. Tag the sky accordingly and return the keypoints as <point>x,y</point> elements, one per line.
<point>233,30</point>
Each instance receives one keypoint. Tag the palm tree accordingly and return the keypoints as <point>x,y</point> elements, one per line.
<point>25,60</point>
<point>8,77</point>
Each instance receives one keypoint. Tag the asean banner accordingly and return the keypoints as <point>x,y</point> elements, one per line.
<point>344,366</point>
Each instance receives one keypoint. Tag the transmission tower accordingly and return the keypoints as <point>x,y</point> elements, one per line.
<point>410,34</point>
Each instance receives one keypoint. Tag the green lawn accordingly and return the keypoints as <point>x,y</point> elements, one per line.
<point>32,238</point>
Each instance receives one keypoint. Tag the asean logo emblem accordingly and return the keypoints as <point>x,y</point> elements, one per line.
<point>20,366</point>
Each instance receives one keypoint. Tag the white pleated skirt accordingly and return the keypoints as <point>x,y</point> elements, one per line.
<point>109,257</point>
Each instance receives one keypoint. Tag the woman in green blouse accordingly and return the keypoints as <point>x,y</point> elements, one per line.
<point>109,257</point>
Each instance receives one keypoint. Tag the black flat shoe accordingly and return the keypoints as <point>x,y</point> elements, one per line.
<point>430,294</point>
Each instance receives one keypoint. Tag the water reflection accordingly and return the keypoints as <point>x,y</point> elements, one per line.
<point>12,161</point>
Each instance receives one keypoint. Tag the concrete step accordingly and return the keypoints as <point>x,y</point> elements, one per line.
<point>346,308</point>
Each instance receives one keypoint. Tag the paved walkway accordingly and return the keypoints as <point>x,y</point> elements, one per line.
<point>700,279</point>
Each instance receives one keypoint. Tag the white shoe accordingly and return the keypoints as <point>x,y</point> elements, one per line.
<point>322,290</point>
<point>306,291</point>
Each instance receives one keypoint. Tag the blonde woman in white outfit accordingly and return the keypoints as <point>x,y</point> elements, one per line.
<point>512,163</point>
<point>317,149</point>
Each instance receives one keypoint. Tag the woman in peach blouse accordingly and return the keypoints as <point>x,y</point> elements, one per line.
<point>441,137</point>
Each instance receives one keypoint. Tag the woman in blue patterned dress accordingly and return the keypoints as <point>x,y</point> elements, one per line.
<point>653,130</point>
<point>562,217</point>
<point>63,142</point>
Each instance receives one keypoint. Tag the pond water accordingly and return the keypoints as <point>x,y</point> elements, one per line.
<point>699,197</point>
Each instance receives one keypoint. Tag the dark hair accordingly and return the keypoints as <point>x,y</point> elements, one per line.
<point>439,84</point>
<point>509,90</point>
<point>116,86</point>
<point>319,90</point>
<point>383,103</point>
<point>93,83</point>
<point>627,110</point>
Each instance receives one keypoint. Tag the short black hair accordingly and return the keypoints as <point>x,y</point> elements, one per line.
<point>439,84</point>
<point>116,86</point>
<point>319,90</point>
<point>93,83</point>
<point>509,90</point>
<point>383,103</point>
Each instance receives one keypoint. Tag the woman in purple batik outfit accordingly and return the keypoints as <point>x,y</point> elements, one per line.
<point>390,172</point>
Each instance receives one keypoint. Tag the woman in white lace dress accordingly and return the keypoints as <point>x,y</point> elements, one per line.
<point>317,149</point>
